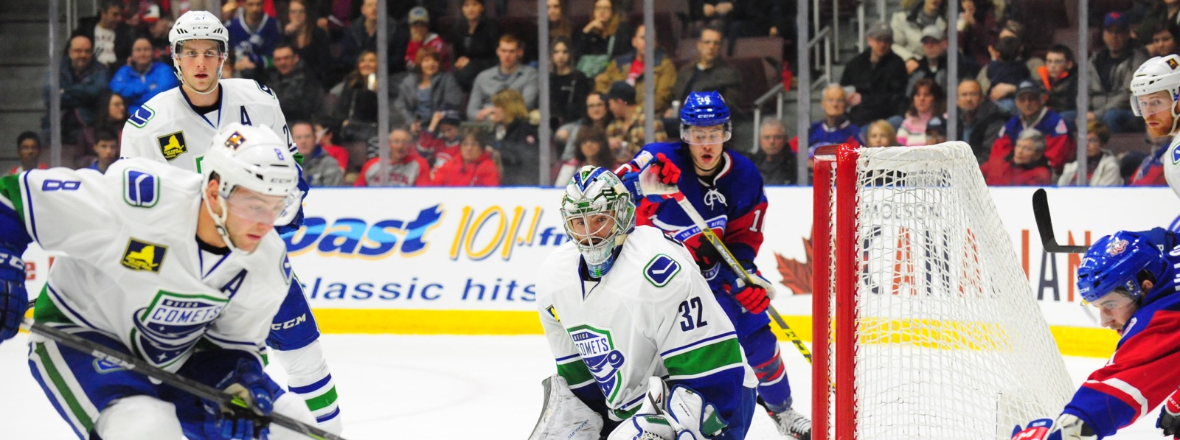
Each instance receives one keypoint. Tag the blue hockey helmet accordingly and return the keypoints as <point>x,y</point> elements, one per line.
<point>1115,262</point>
<point>704,109</point>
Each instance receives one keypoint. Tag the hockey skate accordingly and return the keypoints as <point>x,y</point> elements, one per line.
<point>792,424</point>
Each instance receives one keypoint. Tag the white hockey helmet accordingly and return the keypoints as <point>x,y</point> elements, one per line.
<point>595,191</point>
<point>254,158</point>
<point>197,25</point>
<point>1156,75</point>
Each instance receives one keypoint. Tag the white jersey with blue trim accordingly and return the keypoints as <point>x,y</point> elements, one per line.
<point>1171,162</point>
<point>652,314</point>
<point>129,264</point>
<point>168,129</point>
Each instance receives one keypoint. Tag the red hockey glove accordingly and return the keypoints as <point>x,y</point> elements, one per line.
<point>753,298</point>
<point>668,172</point>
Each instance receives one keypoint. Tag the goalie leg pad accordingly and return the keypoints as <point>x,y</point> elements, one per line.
<point>644,427</point>
<point>564,416</point>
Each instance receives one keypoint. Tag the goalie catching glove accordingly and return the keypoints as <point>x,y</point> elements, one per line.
<point>1066,427</point>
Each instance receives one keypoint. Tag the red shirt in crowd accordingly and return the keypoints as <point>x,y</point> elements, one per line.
<point>1003,172</point>
<point>458,172</point>
<point>410,171</point>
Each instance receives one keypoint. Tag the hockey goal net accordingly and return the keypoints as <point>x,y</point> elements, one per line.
<point>931,329</point>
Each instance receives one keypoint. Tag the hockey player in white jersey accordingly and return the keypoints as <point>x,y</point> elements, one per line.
<point>622,304</point>
<point>176,127</point>
<point>180,269</point>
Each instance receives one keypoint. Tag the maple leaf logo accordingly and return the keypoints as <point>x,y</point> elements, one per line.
<point>796,274</point>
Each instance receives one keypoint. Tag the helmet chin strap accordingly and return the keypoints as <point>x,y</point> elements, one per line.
<point>219,220</point>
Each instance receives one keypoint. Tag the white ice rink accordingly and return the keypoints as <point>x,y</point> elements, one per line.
<point>425,387</point>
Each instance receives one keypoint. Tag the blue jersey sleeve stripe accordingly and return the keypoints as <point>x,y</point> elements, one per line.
<point>314,386</point>
<point>696,343</point>
<point>322,419</point>
<point>562,359</point>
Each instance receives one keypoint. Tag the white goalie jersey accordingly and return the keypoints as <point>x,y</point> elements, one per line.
<point>129,264</point>
<point>652,314</point>
<point>167,129</point>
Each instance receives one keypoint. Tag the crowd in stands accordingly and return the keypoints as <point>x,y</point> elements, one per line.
<point>464,87</point>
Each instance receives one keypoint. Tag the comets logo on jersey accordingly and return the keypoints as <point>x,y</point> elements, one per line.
<point>172,145</point>
<point>141,255</point>
<point>601,358</point>
<point>172,324</point>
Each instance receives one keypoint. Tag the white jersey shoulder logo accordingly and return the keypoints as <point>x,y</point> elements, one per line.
<point>660,270</point>
<point>140,189</point>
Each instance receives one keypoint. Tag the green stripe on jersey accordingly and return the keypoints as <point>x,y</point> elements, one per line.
<point>45,311</point>
<point>10,190</point>
<point>574,372</point>
<point>323,401</point>
<point>59,383</point>
<point>705,358</point>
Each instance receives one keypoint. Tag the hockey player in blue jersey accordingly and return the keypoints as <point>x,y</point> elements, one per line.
<point>727,190</point>
<point>1131,277</point>
<point>182,270</point>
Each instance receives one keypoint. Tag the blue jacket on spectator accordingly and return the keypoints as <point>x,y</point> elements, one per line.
<point>821,134</point>
<point>137,88</point>
<point>257,44</point>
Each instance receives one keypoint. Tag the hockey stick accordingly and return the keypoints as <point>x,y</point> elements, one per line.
<point>1040,201</point>
<point>130,362</point>
<point>650,185</point>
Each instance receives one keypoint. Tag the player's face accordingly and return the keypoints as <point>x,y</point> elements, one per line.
<point>1156,109</point>
<point>706,144</point>
<point>199,62</point>
<point>1114,310</point>
<point>251,217</point>
<point>591,229</point>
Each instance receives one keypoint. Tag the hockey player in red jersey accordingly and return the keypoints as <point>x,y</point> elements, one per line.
<point>727,190</point>
<point>1131,278</point>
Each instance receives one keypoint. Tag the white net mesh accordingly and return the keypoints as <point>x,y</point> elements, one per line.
<point>951,343</point>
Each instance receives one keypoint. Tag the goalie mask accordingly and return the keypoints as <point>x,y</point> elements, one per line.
<point>254,159</point>
<point>598,213</point>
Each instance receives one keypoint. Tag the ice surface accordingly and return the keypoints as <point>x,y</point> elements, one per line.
<point>426,387</point>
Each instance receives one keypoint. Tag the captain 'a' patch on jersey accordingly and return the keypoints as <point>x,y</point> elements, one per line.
<point>140,189</point>
<point>172,323</point>
<point>172,145</point>
<point>144,256</point>
<point>660,270</point>
<point>604,361</point>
